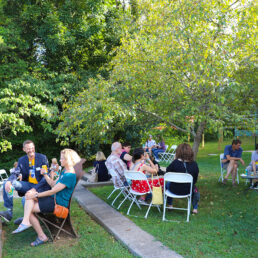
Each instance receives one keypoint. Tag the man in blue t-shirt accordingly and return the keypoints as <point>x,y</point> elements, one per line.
<point>232,154</point>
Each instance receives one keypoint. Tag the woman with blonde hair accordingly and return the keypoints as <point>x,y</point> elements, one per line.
<point>44,202</point>
<point>100,167</point>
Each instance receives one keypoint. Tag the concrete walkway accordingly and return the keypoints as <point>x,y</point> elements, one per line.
<point>139,242</point>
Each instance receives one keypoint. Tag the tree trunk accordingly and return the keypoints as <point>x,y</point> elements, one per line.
<point>198,138</point>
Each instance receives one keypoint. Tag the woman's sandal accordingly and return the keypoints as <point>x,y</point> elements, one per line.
<point>38,241</point>
<point>21,228</point>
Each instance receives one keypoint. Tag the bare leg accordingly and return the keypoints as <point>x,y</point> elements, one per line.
<point>234,172</point>
<point>29,204</point>
<point>35,223</point>
<point>230,168</point>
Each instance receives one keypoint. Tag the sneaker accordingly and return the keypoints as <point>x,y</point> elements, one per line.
<point>253,187</point>
<point>158,160</point>
<point>18,221</point>
<point>6,215</point>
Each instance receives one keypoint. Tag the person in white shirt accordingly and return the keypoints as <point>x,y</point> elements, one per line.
<point>150,144</point>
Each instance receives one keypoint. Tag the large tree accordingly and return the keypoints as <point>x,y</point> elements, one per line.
<point>48,49</point>
<point>180,62</point>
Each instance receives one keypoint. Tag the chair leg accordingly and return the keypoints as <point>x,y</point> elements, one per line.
<point>128,212</point>
<point>164,208</point>
<point>188,208</point>
<point>122,202</point>
<point>146,215</point>
<point>61,227</point>
<point>111,193</point>
<point>116,198</point>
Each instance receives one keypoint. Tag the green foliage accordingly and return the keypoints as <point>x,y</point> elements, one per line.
<point>180,64</point>
<point>92,116</point>
<point>48,50</point>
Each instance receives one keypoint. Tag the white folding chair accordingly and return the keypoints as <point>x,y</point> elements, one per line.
<point>162,155</point>
<point>137,175</point>
<point>177,178</point>
<point>3,177</point>
<point>124,190</point>
<point>169,154</point>
<point>224,171</point>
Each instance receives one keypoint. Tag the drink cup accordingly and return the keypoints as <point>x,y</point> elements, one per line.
<point>44,167</point>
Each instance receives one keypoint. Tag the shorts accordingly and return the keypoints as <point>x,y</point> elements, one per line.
<point>46,204</point>
<point>225,165</point>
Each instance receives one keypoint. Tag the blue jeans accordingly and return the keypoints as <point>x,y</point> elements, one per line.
<point>195,198</point>
<point>21,187</point>
<point>156,152</point>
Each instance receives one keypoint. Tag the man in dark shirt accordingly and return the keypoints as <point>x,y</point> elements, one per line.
<point>28,169</point>
<point>232,154</point>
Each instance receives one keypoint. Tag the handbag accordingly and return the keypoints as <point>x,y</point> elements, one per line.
<point>94,175</point>
<point>157,196</point>
<point>60,211</point>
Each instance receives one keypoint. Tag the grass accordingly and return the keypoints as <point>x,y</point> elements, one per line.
<point>227,221</point>
<point>93,240</point>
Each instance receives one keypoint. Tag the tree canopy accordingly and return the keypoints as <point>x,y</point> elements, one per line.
<point>181,62</point>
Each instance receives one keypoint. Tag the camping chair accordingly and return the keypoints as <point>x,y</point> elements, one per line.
<point>224,171</point>
<point>137,175</point>
<point>3,177</point>
<point>56,226</point>
<point>177,178</point>
<point>122,188</point>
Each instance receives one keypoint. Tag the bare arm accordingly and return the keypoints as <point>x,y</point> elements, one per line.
<point>152,169</point>
<point>57,188</point>
<point>128,157</point>
<point>236,159</point>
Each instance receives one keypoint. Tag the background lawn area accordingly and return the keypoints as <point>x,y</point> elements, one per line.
<point>93,240</point>
<point>227,221</point>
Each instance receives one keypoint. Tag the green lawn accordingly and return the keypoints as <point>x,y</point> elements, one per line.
<point>227,221</point>
<point>93,240</point>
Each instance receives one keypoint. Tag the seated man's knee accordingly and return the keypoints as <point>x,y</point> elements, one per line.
<point>17,185</point>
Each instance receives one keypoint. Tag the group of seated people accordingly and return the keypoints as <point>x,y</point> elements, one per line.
<point>43,190</point>
<point>183,163</point>
<point>150,146</point>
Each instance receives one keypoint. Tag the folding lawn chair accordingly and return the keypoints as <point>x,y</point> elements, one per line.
<point>177,178</point>
<point>56,226</point>
<point>224,171</point>
<point>124,190</point>
<point>137,175</point>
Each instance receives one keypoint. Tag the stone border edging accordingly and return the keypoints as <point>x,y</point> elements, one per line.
<point>138,241</point>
